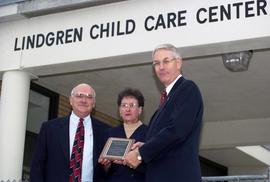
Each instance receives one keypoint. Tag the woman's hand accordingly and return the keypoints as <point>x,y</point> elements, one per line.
<point>105,162</point>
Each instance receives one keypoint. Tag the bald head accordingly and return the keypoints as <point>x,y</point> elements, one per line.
<point>82,99</point>
<point>83,86</point>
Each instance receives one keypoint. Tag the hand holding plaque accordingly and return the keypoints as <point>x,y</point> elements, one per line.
<point>116,148</point>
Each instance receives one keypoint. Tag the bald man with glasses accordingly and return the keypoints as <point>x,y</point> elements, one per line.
<point>68,148</point>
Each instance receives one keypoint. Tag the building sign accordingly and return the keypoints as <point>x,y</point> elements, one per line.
<point>93,34</point>
<point>153,22</point>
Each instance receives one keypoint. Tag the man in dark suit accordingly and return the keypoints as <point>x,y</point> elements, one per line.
<point>172,141</point>
<point>51,159</point>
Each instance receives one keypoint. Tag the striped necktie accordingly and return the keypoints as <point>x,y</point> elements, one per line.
<point>75,164</point>
<point>163,98</point>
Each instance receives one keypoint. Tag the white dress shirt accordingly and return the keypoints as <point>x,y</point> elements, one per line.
<point>169,87</point>
<point>87,163</point>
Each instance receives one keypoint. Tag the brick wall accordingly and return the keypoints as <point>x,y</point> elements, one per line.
<point>106,118</point>
<point>64,109</point>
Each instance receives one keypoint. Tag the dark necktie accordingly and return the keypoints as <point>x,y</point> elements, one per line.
<point>163,98</point>
<point>75,164</point>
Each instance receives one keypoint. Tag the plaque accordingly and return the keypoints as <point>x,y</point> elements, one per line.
<point>116,148</point>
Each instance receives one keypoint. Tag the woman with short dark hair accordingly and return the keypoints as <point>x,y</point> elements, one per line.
<point>130,104</point>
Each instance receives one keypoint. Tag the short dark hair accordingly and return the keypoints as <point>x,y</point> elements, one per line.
<point>131,92</point>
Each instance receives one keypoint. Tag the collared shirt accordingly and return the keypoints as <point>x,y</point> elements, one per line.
<point>87,165</point>
<point>169,87</point>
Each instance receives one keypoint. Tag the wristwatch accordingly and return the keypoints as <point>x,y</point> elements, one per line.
<point>139,157</point>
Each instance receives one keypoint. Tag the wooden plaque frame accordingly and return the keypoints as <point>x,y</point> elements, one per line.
<point>116,148</point>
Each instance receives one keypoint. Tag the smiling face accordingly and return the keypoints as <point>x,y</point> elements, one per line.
<point>130,110</point>
<point>167,66</point>
<point>82,100</point>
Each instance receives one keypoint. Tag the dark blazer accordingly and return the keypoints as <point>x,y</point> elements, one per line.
<point>172,140</point>
<point>50,161</point>
<point>120,173</point>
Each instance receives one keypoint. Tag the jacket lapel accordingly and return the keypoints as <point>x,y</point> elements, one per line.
<point>63,131</point>
<point>95,138</point>
<point>158,111</point>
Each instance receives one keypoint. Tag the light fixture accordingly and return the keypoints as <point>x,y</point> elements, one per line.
<point>237,61</point>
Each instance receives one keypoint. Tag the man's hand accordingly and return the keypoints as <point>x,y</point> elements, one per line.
<point>131,159</point>
<point>137,145</point>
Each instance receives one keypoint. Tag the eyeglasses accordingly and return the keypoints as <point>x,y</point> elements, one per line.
<point>129,105</point>
<point>83,95</point>
<point>165,62</point>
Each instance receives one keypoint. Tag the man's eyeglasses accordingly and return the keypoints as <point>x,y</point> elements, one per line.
<point>83,95</point>
<point>129,105</point>
<point>165,62</point>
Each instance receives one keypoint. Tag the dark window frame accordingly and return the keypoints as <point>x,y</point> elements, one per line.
<point>54,99</point>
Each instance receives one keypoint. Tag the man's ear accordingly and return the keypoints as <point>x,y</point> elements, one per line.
<point>70,100</point>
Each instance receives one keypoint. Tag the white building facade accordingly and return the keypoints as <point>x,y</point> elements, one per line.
<point>42,40</point>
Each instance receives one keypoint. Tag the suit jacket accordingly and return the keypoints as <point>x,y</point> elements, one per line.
<point>50,161</point>
<point>120,173</point>
<point>172,140</point>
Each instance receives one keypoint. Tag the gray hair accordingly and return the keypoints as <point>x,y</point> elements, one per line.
<point>168,47</point>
